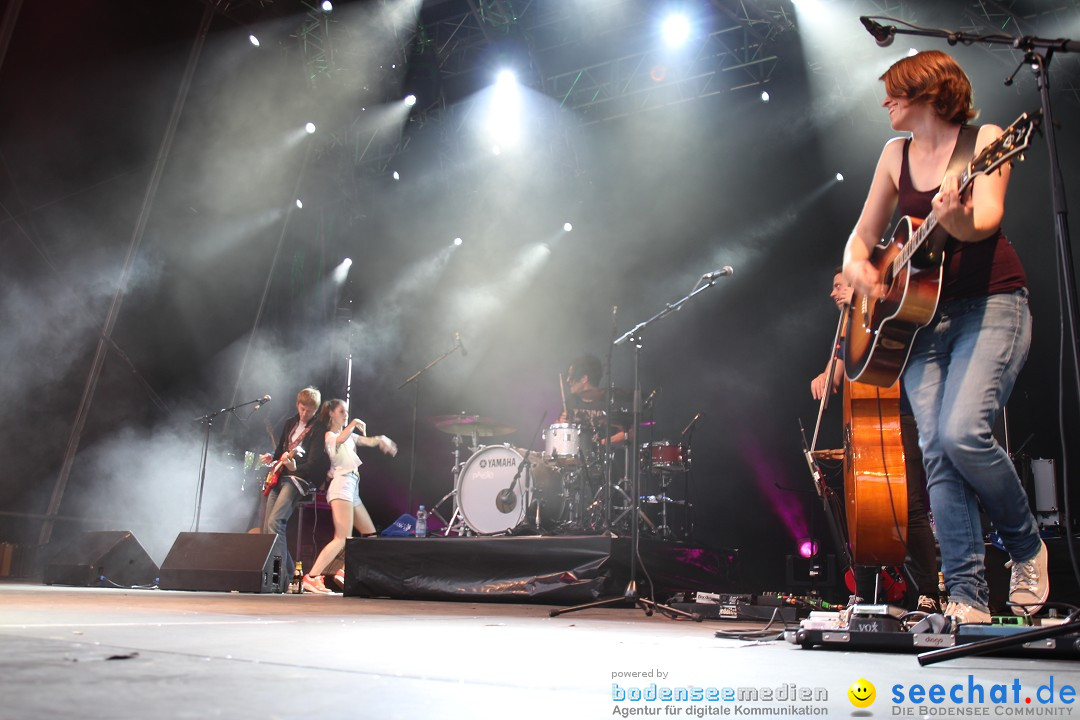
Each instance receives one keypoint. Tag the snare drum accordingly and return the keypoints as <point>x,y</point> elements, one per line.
<point>491,470</point>
<point>663,455</point>
<point>562,443</point>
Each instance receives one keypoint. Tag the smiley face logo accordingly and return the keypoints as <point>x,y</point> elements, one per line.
<point>862,693</point>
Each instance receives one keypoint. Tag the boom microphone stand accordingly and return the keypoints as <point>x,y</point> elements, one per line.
<point>1037,55</point>
<point>209,420</point>
<point>415,380</point>
<point>634,337</point>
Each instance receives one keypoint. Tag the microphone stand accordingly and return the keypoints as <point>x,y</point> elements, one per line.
<point>209,420</point>
<point>687,482</point>
<point>630,594</point>
<point>415,380</point>
<point>1037,55</point>
<point>504,501</point>
<point>609,457</point>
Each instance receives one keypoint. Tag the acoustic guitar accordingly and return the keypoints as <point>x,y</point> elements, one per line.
<point>910,263</point>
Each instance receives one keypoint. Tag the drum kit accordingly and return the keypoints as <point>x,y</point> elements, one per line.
<point>564,489</point>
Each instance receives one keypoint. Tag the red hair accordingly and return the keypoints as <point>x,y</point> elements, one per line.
<point>936,79</point>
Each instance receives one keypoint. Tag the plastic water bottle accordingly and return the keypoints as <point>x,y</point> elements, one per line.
<point>421,522</point>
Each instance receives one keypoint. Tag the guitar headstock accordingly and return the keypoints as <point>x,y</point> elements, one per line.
<point>1014,140</point>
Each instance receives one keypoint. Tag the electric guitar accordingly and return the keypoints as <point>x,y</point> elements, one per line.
<point>275,470</point>
<point>881,330</point>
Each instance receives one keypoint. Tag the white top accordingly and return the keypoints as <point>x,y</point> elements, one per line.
<point>343,458</point>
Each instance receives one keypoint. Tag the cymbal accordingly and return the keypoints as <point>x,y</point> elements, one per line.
<point>478,425</point>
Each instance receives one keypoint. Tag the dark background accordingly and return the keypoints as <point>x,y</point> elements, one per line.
<point>657,196</point>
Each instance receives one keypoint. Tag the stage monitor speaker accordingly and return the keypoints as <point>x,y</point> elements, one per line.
<point>224,562</point>
<point>110,558</point>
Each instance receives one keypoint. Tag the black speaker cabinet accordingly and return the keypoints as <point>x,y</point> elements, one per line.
<point>224,562</point>
<point>109,558</point>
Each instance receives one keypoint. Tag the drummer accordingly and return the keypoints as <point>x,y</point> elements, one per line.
<point>587,402</point>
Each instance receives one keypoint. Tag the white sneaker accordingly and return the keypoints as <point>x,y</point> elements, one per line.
<point>964,614</point>
<point>1029,585</point>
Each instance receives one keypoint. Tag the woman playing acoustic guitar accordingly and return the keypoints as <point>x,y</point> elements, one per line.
<point>964,362</point>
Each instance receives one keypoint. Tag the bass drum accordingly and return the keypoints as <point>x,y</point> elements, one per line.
<point>491,470</point>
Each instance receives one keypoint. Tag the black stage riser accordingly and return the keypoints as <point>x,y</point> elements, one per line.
<point>225,562</point>
<point>109,558</point>
<point>547,570</point>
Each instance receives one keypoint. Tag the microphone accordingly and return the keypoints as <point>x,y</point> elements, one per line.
<point>883,34</point>
<point>457,341</point>
<point>652,395</point>
<point>262,401</point>
<point>506,501</point>
<point>691,423</point>
<point>726,270</point>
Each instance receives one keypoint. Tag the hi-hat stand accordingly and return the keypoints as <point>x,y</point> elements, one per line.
<point>634,337</point>
<point>456,523</point>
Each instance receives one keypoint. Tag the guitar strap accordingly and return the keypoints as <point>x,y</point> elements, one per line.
<point>964,150</point>
<point>300,438</point>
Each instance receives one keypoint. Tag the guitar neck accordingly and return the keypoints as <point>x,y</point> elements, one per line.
<point>918,239</point>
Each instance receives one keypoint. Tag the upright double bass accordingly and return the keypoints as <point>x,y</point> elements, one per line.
<point>875,480</point>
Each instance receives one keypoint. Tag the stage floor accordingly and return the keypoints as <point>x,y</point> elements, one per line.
<point>102,653</point>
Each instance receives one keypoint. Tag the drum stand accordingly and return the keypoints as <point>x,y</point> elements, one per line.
<point>664,530</point>
<point>628,496</point>
<point>457,521</point>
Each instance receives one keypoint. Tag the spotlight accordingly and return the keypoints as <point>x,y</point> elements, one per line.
<point>253,40</point>
<point>397,175</point>
<point>457,242</point>
<point>676,30</point>
<point>310,128</point>
<point>839,177</point>
<point>808,548</point>
<point>341,273</point>
<point>410,100</point>
<point>299,203</point>
<point>567,227</point>
<point>503,114</point>
<point>765,96</point>
<point>327,6</point>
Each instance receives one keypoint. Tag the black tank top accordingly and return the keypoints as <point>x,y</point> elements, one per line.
<point>972,269</point>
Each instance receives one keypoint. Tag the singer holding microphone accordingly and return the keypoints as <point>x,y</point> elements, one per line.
<point>347,509</point>
<point>964,362</point>
<point>303,467</point>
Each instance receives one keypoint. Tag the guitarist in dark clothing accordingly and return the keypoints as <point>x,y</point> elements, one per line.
<point>964,362</point>
<point>298,466</point>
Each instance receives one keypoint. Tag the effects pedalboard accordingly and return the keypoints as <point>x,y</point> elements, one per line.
<point>886,628</point>
<point>755,607</point>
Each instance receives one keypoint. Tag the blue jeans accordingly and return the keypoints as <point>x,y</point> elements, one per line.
<point>960,374</point>
<point>281,503</point>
